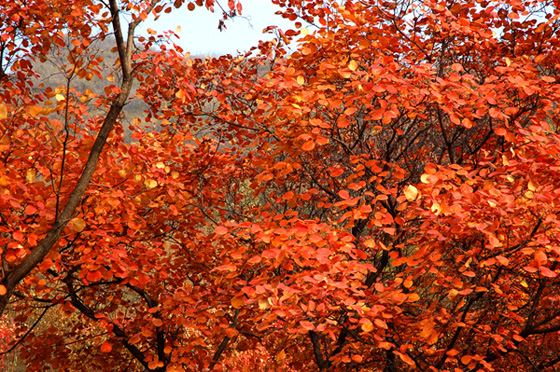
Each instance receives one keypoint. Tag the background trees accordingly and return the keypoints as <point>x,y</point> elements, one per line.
<point>382,198</point>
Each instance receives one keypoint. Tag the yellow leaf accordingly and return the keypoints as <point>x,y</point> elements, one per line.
<point>3,111</point>
<point>411,193</point>
<point>150,183</point>
<point>367,326</point>
<point>263,303</point>
<point>300,80</point>
<point>78,224</point>
<point>425,178</point>
<point>59,97</point>
<point>30,175</point>
<point>532,186</point>
<point>353,65</point>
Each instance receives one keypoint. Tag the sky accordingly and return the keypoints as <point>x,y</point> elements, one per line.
<point>199,32</point>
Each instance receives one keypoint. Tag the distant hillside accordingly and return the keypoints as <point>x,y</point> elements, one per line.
<point>52,75</point>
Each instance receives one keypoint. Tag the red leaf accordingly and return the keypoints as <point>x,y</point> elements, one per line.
<point>18,236</point>
<point>545,271</point>
<point>106,347</point>
<point>29,210</point>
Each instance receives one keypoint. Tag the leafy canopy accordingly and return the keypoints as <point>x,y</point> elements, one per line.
<point>375,190</point>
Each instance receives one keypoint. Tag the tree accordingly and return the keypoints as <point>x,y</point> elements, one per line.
<point>406,164</point>
<point>51,148</point>
<point>383,198</point>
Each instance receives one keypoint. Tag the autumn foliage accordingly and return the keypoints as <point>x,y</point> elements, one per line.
<point>374,190</point>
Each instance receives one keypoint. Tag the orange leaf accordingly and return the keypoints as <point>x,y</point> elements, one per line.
<point>29,210</point>
<point>457,67</point>
<point>405,358</point>
<point>367,326</point>
<point>231,332</point>
<point>502,260</point>
<point>238,302</point>
<point>308,146</point>
<point>3,290</point>
<point>452,352</point>
<point>344,194</point>
<point>3,111</point>
<point>78,224</point>
<point>307,325</point>
<point>281,355</point>
<point>221,230</point>
<point>500,131</point>
<point>289,195</point>
<point>380,323</point>
<point>357,358</point>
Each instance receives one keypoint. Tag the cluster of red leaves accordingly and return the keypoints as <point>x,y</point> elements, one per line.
<point>383,198</point>
<point>6,338</point>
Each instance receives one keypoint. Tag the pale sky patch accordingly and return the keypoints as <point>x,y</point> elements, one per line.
<point>199,32</point>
